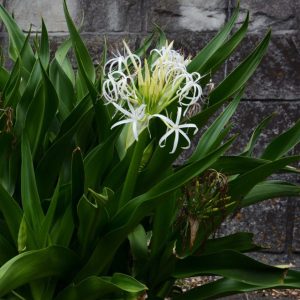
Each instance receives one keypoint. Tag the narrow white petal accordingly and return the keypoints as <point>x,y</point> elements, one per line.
<point>164,138</point>
<point>121,123</point>
<point>175,141</point>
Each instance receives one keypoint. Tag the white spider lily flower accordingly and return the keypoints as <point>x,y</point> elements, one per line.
<point>167,54</point>
<point>175,128</point>
<point>135,117</point>
<point>140,91</point>
<point>110,89</point>
<point>115,62</point>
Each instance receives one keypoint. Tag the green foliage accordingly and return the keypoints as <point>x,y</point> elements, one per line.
<point>84,217</point>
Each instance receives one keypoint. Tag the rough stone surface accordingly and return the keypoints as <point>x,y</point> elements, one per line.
<point>250,113</point>
<point>187,15</point>
<point>296,238</point>
<point>278,15</point>
<point>259,219</point>
<point>95,44</point>
<point>278,75</point>
<point>112,16</point>
<point>30,12</point>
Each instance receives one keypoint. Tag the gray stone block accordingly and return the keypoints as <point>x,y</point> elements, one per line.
<point>112,16</point>
<point>95,44</point>
<point>278,75</point>
<point>296,236</point>
<point>250,113</point>
<point>187,15</point>
<point>267,221</point>
<point>278,15</point>
<point>30,12</point>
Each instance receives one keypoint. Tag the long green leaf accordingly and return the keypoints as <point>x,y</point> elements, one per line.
<point>283,143</point>
<point>255,135</point>
<point>133,170</point>
<point>240,75</point>
<point>93,216</point>
<point>64,89</point>
<point>32,265</point>
<point>41,113</point>
<point>230,264</point>
<point>16,39</point>
<point>225,287</point>
<point>26,99</point>
<point>4,76</point>
<point>231,165</point>
<point>207,140</point>
<point>94,288</point>
<point>226,49</point>
<point>270,189</point>
<point>77,180</point>
<point>11,212</point>
<point>44,51</point>
<point>207,52</point>
<point>81,51</point>
<point>241,241</point>
<point>62,59</point>
<point>30,197</point>
<point>101,156</point>
<point>239,187</point>
<point>60,149</point>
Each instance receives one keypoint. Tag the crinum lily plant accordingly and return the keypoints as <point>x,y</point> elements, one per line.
<point>92,204</point>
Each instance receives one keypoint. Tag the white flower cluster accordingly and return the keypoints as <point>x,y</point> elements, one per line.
<point>144,90</point>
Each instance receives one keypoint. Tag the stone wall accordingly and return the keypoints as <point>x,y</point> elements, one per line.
<point>192,23</point>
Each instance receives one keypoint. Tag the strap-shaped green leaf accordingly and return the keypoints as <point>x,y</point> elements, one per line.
<point>16,39</point>
<point>239,187</point>
<point>270,189</point>
<point>94,288</point>
<point>41,112</point>
<point>209,137</point>
<point>61,148</point>
<point>139,245</point>
<point>283,143</point>
<point>217,289</point>
<point>101,155</point>
<point>240,75</point>
<point>64,89</point>
<point>230,264</point>
<point>4,76</point>
<point>11,92</point>
<point>231,165</point>
<point>81,51</point>
<point>44,51</point>
<point>30,198</point>
<point>256,134</point>
<point>241,241</point>
<point>27,97</point>
<point>92,215</point>
<point>133,170</point>
<point>11,212</point>
<point>227,286</point>
<point>36,264</point>
<point>77,180</point>
<point>63,60</point>
<point>207,52</point>
<point>226,49</point>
